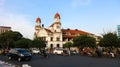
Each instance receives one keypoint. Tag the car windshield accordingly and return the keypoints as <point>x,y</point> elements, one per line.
<point>22,51</point>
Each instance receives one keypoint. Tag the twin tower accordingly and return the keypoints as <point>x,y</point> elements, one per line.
<point>52,34</point>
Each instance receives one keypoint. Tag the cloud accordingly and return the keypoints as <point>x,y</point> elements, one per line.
<point>17,22</point>
<point>76,3</point>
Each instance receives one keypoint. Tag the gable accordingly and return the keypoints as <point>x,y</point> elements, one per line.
<point>42,33</point>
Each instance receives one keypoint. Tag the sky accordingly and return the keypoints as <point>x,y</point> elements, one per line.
<point>94,16</point>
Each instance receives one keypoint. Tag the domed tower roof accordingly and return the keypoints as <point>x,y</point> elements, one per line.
<point>38,19</point>
<point>57,15</point>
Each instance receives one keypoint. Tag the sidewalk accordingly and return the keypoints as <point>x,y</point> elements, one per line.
<point>6,64</point>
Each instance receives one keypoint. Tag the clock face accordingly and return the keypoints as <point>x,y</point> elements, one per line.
<point>58,27</point>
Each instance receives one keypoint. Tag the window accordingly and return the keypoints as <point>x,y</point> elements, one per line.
<point>43,38</point>
<point>58,39</point>
<point>64,39</point>
<point>77,34</point>
<point>51,46</point>
<point>69,39</point>
<point>58,45</point>
<point>51,39</point>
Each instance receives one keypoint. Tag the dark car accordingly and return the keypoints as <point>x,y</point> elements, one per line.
<point>74,52</point>
<point>66,52</point>
<point>19,54</point>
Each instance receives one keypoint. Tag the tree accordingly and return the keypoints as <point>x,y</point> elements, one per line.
<point>22,43</point>
<point>84,41</point>
<point>119,42</point>
<point>39,43</point>
<point>109,40</point>
<point>68,45</point>
<point>7,38</point>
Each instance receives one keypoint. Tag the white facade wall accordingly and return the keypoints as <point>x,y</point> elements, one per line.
<point>57,19</point>
<point>42,33</point>
<point>54,44</point>
<point>51,29</point>
<point>56,27</point>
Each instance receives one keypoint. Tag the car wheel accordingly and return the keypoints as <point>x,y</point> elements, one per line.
<point>9,58</point>
<point>19,59</point>
<point>29,59</point>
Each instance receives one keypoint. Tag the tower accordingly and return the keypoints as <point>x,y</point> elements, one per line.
<point>37,27</point>
<point>57,23</point>
<point>57,17</point>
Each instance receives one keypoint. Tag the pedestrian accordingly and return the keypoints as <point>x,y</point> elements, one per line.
<point>98,52</point>
<point>69,53</point>
<point>44,53</point>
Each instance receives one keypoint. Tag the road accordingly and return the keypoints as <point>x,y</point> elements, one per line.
<point>66,61</point>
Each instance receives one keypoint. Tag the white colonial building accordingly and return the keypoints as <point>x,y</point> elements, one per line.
<point>55,35</point>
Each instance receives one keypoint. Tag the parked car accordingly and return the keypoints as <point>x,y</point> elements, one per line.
<point>19,54</point>
<point>66,52</point>
<point>74,52</point>
<point>35,51</point>
<point>58,51</point>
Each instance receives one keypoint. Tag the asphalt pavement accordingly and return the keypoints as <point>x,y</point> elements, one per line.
<point>66,61</point>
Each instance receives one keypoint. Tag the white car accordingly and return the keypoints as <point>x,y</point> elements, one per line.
<point>35,51</point>
<point>58,51</point>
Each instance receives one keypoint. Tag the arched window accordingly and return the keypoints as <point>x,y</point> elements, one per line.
<point>58,45</point>
<point>51,46</point>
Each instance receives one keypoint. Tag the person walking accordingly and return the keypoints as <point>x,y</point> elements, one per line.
<point>44,53</point>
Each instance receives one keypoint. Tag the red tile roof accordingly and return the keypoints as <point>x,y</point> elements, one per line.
<point>69,33</point>
<point>57,15</point>
<point>51,25</point>
<point>38,19</point>
<point>48,30</point>
<point>5,27</point>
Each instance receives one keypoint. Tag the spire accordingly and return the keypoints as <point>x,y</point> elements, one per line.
<point>38,20</point>
<point>57,15</point>
<point>37,26</point>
